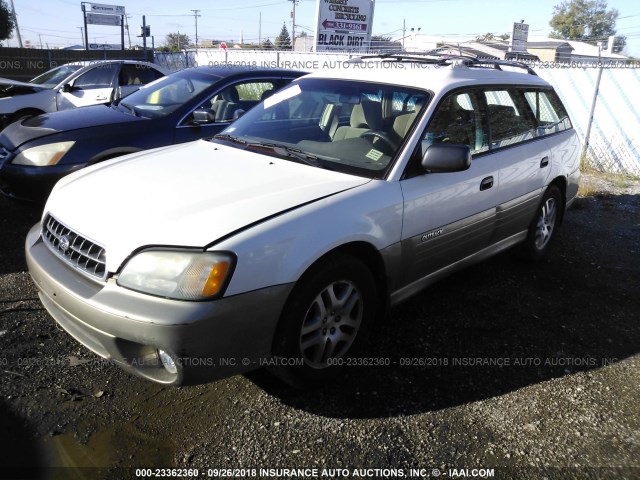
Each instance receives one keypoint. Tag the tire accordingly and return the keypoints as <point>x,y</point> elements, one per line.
<point>324,322</point>
<point>543,227</point>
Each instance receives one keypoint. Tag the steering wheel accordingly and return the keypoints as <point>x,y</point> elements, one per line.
<point>382,136</point>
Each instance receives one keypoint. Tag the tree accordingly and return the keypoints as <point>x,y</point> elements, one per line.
<point>7,23</point>
<point>380,38</point>
<point>586,21</point>
<point>266,45</point>
<point>177,41</point>
<point>490,37</point>
<point>283,40</point>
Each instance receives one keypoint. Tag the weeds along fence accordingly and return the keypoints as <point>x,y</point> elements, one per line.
<point>614,140</point>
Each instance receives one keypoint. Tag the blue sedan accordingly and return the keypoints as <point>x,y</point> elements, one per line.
<point>187,105</point>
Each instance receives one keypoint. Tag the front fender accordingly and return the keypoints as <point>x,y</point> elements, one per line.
<point>279,250</point>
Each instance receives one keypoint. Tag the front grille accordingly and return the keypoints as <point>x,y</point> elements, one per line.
<point>81,253</point>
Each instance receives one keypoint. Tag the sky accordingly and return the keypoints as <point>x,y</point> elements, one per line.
<point>57,23</point>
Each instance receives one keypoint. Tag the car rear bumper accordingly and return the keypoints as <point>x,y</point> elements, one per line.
<point>207,340</point>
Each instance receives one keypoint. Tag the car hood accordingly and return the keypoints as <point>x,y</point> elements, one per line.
<point>10,88</point>
<point>46,124</point>
<point>185,195</point>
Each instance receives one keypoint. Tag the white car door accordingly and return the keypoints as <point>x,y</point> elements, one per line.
<point>449,216</point>
<point>92,87</point>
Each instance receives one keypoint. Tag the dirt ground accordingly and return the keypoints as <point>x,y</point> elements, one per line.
<point>505,370</point>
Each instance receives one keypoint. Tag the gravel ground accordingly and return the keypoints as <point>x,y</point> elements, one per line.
<point>505,370</point>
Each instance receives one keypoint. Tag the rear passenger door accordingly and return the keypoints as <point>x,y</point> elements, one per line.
<point>522,156</point>
<point>449,216</point>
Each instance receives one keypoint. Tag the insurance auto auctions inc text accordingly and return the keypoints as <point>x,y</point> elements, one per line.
<point>353,473</point>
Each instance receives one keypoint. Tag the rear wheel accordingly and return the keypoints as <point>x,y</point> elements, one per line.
<point>324,321</point>
<point>542,230</point>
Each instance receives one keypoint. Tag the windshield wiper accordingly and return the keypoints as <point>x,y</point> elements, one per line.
<point>229,138</point>
<point>291,152</point>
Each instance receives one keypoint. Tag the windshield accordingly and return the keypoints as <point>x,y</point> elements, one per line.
<point>55,76</point>
<point>166,94</point>
<point>347,126</point>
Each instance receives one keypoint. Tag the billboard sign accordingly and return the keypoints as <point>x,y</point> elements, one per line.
<point>519,37</point>
<point>110,9</point>
<point>343,25</point>
<point>104,46</point>
<point>99,19</point>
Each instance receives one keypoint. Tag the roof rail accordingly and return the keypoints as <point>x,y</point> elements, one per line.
<point>440,59</point>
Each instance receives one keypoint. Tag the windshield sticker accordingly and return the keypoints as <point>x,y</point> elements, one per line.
<point>374,154</point>
<point>276,98</point>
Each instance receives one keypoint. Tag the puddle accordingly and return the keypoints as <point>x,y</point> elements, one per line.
<point>119,447</point>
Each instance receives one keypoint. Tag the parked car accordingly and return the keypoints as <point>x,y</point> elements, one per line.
<point>73,85</point>
<point>284,239</point>
<point>187,105</point>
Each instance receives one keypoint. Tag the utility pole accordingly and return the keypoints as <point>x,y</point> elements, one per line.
<point>196,15</point>
<point>82,35</point>
<point>15,20</point>
<point>293,23</point>
<point>404,30</point>
<point>260,31</point>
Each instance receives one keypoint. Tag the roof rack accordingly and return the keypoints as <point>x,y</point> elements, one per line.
<point>440,59</point>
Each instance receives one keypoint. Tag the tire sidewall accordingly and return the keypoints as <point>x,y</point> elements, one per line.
<point>530,250</point>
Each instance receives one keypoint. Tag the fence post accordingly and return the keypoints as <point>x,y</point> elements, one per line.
<point>593,108</point>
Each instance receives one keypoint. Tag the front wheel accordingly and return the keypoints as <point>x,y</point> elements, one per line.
<point>324,321</point>
<point>544,225</point>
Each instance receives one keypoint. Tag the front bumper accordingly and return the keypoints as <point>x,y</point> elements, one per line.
<point>208,340</point>
<point>31,184</point>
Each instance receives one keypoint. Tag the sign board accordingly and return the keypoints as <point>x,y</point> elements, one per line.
<point>111,9</point>
<point>519,37</point>
<point>99,19</point>
<point>343,25</point>
<point>104,46</point>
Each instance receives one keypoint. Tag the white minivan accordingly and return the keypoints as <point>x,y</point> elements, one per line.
<point>283,239</point>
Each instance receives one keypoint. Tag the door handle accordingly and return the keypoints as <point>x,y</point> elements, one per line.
<point>544,162</point>
<point>486,183</point>
<point>100,98</point>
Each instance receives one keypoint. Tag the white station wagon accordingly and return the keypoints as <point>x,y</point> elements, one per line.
<point>283,239</point>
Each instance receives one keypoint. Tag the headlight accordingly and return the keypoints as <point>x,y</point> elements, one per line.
<point>179,275</point>
<point>44,155</point>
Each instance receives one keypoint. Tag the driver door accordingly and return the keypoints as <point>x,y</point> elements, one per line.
<point>92,87</point>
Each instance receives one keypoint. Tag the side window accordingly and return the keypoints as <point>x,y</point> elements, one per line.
<point>458,119</point>
<point>138,74</point>
<point>510,119</point>
<point>100,76</point>
<point>549,111</point>
<point>232,101</point>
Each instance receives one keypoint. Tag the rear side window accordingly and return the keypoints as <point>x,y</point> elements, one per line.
<point>548,110</point>
<point>511,120</point>
<point>134,74</point>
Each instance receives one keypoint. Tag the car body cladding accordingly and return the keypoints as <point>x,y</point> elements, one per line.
<point>447,216</point>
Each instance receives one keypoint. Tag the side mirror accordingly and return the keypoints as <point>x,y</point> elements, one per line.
<point>67,87</point>
<point>445,157</point>
<point>204,115</point>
